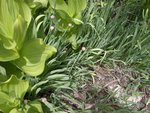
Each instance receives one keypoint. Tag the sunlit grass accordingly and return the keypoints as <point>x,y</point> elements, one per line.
<point>114,34</point>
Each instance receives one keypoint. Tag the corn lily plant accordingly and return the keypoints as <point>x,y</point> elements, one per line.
<point>27,54</point>
<point>12,93</point>
<point>20,52</point>
<point>66,16</point>
<point>68,13</point>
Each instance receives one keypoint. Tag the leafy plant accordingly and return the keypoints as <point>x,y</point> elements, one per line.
<point>21,53</point>
<point>15,46</point>
<point>12,93</point>
<point>66,18</point>
<point>68,13</point>
<point>36,4</point>
<point>112,40</point>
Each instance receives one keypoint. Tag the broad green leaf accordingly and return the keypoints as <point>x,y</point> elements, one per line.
<point>11,70</point>
<point>80,5</point>
<point>33,56</point>
<point>36,4</point>
<point>29,1</point>
<point>33,107</point>
<point>9,12</point>
<point>15,44</point>
<point>12,92</point>
<point>24,11</point>
<point>73,42</point>
<point>14,111</point>
<point>67,12</point>
<point>59,5</point>
<point>72,7</point>
<point>8,43</point>
<point>7,103</point>
<point>20,27</point>
<point>42,2</point>
<point>63,15</point>
<point>7,54</point>
<point>5,17</point>
<point>3,32</point>
<point>14,87</point>
<point>76,7</point>
<point>13,14</point>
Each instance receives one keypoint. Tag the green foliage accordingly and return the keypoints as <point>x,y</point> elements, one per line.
<point>66,17</point>
<point>36,4</point>
<point>67,13</point>
<point>109,33</point>
<point>113,35</point>
<point>12,94</point>
<point>32,61</point>
<point>33,106</point>
<point>15,47</point>
<point>21,53</point>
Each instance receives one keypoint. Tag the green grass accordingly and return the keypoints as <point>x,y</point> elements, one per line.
<point>113,35</point>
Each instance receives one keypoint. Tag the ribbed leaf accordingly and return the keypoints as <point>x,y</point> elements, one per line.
<point>59,5</point>
<point>24,11</point>
<point>14,87</point>
<point>11,92</point>
<point>6,18</point>
<point>7,54</point>
<point>20,27</point>
<point>14,111</point>
<point>6,103</point>
<point>14,15</point>
<point>33,56</point>
<point>33,107</point>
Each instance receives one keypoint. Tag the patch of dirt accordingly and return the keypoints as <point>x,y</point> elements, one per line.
<point>114,86</point>
<point>120,82</point>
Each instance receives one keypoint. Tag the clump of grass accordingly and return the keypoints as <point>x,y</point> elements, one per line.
<point>111,35</point>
